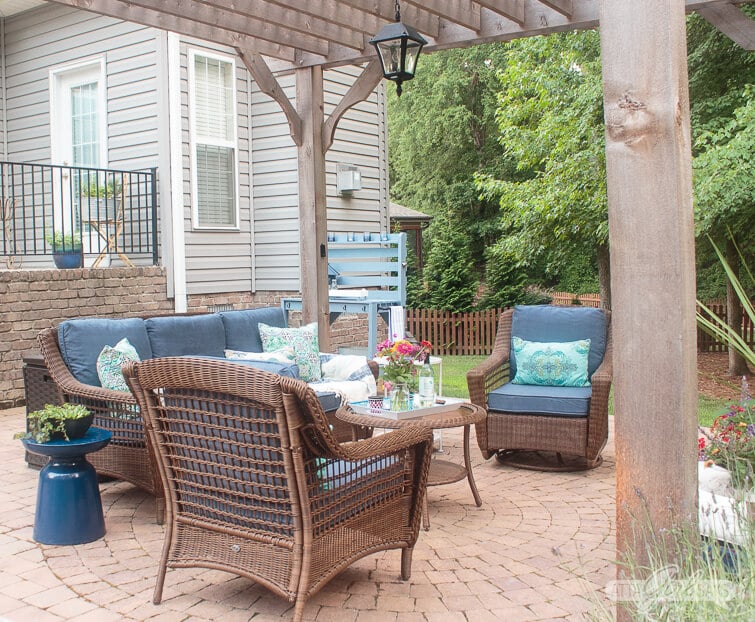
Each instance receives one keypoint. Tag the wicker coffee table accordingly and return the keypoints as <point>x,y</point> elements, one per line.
<point>441,471</point>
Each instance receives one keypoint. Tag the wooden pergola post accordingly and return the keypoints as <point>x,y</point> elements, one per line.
<point>313,213</point>
<point>648,159</point>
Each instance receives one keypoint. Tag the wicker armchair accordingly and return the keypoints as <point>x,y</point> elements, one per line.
<point>527,437</point>
<point>257,485</point>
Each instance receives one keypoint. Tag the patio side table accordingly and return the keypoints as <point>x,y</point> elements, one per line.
<point>69,507</point>
<point>441,471</point>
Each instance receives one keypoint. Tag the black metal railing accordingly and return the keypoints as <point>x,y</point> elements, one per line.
<point>47,209</point>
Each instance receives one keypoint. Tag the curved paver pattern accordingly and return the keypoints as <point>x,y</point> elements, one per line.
<point>541,547</point>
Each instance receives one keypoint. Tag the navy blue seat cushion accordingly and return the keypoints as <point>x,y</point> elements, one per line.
<point>291,370</point>
<point>541,400</point>
<point>241,327</point>
<point>336,473</point>
<point>184,335</point>
<point>552,323</point>
<point>329,400</point>
<point>82,340</point>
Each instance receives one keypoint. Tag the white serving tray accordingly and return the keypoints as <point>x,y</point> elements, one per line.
<point>363,408</point>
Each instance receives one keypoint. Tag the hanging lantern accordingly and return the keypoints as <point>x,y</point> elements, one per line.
<point>398,47</point>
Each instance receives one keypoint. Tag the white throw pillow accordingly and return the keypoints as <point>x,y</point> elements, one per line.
<point>281,355</point>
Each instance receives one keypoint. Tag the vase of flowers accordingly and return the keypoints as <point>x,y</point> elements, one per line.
<point>399,360</point>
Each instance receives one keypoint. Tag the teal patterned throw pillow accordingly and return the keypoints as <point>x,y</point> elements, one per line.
<point>551,364</point>
<point>304,342</point>
<point>109,364</point>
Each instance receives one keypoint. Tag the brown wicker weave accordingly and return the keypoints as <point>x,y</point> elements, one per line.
<point>127,456</point>
<point>256,482</point>
<point>582,437</point>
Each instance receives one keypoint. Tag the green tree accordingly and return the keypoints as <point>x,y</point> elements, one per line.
<point>725,200</point>
<point>441,132</point>
<point>449,277</point>
<point>550,115</point>
<point>722,104</point>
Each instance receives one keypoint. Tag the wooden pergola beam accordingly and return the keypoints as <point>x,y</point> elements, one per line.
<point>182,25</point>
<point>361,89</point>
<point>264,78</point>
<point>732,22</point>
<point>216,15</point>
<point>565,7</point>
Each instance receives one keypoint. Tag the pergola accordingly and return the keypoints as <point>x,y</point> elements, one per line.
<point>648,166</point>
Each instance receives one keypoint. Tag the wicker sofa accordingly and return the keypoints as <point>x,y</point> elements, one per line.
<point>71,349</point>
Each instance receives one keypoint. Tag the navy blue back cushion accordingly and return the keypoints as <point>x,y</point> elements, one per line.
<point>82,340</point>
<point>241,327</point>
<point>185,335</point>
<point>552,323</point>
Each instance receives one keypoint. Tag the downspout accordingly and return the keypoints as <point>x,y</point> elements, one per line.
<point>176,173</point>
<point>5,88</point>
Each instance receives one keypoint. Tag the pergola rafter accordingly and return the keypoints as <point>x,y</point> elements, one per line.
<point>290,34</point>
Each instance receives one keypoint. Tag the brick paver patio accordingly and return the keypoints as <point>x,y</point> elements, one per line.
<point>541,547</point>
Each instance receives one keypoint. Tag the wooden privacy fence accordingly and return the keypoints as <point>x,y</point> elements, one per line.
<point>450,333</point>
<point>708,343</point>
<point>473,332</point>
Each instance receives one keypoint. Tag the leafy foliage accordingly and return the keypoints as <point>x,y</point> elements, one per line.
<point>449,276</point>
<point>443,131</point>
<point>725,174</point>
<point>550,114</point>
<point>506,143</point>
<point>45,423</point>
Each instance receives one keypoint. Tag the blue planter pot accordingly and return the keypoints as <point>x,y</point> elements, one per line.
<point>67,260</point>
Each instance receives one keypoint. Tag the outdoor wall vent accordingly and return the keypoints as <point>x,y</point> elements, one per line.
<point>348,179</point>
<point>218,308</point>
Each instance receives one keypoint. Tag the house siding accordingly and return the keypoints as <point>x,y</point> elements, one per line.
<point>218,260</point>
<point>359,140</point>
<point>263,253</point>
<point>54,36</point>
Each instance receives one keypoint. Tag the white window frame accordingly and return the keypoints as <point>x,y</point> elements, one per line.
<point>194,139</point>
<point>63,78</point>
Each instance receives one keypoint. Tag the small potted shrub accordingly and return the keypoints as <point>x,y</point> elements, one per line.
<point>66,249</point>
<point>64,422</point>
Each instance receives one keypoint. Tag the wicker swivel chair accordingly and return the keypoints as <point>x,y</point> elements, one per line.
<point>545,427</point>
<point>257,485</point>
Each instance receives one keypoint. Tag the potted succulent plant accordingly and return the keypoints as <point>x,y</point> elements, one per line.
<point>66,249</point>
<point>57,422</point>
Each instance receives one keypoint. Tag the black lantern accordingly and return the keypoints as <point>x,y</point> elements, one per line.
<point>398,47</point>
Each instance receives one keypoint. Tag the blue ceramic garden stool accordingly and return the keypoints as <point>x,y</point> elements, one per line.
<point>69,507</point>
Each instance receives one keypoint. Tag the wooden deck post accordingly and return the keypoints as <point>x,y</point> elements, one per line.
<point>313,214</point>
<point>652,266</point>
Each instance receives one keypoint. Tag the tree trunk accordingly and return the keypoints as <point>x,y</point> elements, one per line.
<point>604,275</point>
<point>737,364</point>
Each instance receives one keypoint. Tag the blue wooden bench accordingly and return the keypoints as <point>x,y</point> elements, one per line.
<point>370,278</point>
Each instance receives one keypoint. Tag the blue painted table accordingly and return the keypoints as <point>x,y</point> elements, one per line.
<point>69,507</point>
